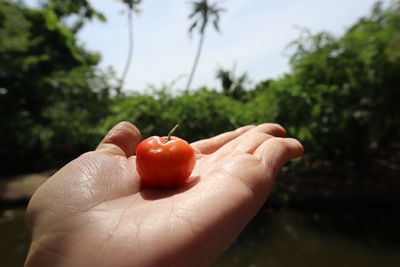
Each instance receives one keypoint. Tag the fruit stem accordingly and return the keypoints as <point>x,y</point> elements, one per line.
<point>171,133</point>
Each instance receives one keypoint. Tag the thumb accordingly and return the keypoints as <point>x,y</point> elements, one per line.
<point>121,140</point>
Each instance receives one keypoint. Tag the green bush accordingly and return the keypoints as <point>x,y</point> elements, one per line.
<point>201,114</point>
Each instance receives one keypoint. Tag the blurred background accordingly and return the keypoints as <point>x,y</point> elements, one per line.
<point>328,72</point>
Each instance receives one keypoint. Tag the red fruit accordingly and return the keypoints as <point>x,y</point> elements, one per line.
<point>165,161</point>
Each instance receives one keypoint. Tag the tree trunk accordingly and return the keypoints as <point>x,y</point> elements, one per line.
<point>130,49</point>
<point>196,61</point>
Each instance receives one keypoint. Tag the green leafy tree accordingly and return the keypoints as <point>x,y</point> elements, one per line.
<point>82,10</point>
<point>202,13</point>
<point>51,90</point>
<point>342,95</point>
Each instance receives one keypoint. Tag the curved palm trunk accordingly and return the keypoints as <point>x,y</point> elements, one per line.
<point>130,49</point>
<point>196,61</point>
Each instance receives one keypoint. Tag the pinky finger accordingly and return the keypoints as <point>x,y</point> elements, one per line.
<point>276,152</point>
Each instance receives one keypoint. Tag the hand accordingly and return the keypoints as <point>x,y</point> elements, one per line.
<point>93,212</point>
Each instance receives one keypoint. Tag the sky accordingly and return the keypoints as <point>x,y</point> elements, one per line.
<point>253,38</point>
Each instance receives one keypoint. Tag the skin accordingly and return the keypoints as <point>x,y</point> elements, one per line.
<point>93,212</point>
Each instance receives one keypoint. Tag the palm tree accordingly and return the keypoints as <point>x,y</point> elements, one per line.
<point>133,8</point>
<point>202,13</point>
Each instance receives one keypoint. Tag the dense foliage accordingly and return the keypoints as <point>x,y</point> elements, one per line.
<point>343,93</point>
<point>52,95</point>
<point>340,98</point>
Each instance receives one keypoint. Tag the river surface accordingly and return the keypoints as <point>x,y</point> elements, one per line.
<point>276,238</point>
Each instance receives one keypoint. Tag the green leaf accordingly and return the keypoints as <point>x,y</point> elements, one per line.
<point>51,19</point>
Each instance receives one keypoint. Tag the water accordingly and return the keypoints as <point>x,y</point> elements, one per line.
<point>276,238</point>
<point>340,238</point>
<point>13,237</point>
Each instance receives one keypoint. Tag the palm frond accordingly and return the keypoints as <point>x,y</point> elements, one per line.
<point>193,26</point>
<point>133,5</point>
<point>216,25</point>
<point>203,12</point>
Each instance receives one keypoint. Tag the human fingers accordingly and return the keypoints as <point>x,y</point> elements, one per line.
<point>252,142</point>
<point>121,140</point>
<point>255,136</point>
<point>276,152</point>
<point>210,145</point>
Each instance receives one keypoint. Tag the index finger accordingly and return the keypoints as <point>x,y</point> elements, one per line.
<point>210,145</point>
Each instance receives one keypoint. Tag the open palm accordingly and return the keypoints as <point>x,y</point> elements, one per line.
<point>93,212</point>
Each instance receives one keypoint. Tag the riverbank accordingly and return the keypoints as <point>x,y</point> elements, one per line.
<point>18,190</point>
<point>303,185</point>
<point>328,185</point>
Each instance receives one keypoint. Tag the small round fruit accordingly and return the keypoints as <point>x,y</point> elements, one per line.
<point>164,161</point>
